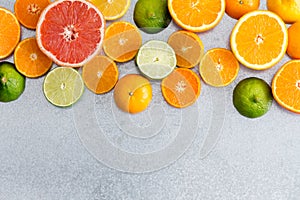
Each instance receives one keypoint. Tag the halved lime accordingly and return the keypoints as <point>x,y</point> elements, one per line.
<point>63,86</point>
<point>12,83</point>
<point>252,97</point>
<point>156,59</point>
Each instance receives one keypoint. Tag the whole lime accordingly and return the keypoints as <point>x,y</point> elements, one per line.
<point>252,97</point>
<point>152,16</point>
<point>12,83</point>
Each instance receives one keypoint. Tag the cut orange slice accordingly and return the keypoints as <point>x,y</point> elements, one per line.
<point>188,48</point>
<point>100,74</point>
<point>286,86</point>
<point>10,32</point>
<point>219,67</point>
<point>195,15</point>
<point>122,41</point>
<point>29,11</point>
<point>112,9</point>
<point>181,88</point>
<point>30,60</point>
<point>259,39</point>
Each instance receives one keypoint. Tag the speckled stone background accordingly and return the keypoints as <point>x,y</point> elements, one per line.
<point>42,157</point>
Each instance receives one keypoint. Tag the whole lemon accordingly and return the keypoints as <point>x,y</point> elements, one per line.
<point>288,10</point>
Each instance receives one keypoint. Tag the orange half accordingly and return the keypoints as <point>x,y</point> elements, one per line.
<point>219,67</point>
<point>188,48</point>
<point>195,15</point>
<point>100,74</point>
<point>286,86</point>
<point>29,11</point>
<point>112,9</point>
<point>259,39</point>
<point>30,60</point>
<point>122,41</point>
<point>10,32</point>
<point>181,88</point>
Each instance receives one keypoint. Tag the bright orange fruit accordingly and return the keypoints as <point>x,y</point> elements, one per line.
<point>133,93</point>
<point>29,11</point>
<point>219,67</point>
<point>237,8</point>
<point>286,86</point>
<point>30,60</point>
<point>100,74</point>
<point>195,15</point>
<point>188,48</point>
<point>293,48</point>
<point>259,39</point>
<point>10,32</point>
<point>70,32</point>
<point>181,88</point>
<point>122,41</point>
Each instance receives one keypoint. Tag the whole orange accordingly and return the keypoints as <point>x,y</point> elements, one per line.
<point>237,8</point>
<point>133,93</point>
<point>293,49</point>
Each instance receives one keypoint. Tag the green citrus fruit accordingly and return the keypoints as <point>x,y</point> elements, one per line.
<point>63,86</point>
<point>152,16</point>
<point>252,97</point>
<point>12,83</point>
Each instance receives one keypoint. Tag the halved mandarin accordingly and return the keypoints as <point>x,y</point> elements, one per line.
<point>100,74</point>
<point>30,60</point>
<point>188,48</point>
<point>219,67</point>
<point>10,32</point>
<point>29,11</point>
<point>286,86</point>
<point>181,88</point>
<point>195,15</point>
<point>122,41</point>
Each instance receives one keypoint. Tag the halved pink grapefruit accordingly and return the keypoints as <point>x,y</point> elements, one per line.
<point>70,32</point>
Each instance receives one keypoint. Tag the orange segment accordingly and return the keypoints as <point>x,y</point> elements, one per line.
<point>195,15</point>
<point>29,11</point>
<point>30,60</point>
<point>10,32</point>
<point>259,39</point>
<point>100,74</point>
<point>112,9</point>
<point>122,41</point>
<point>188,48</point>
<point>181,88</point>
<point>286,86</point>
<point>219,67</point>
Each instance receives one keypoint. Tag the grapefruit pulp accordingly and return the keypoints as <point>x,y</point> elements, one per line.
<point>70,32</point>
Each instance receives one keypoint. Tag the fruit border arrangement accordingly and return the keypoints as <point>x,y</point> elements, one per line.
<point>72,33</point>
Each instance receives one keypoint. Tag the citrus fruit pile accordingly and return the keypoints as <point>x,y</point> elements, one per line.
<point>90,34</point>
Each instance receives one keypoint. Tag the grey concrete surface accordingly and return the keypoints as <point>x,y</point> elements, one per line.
<point>42,156</point>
